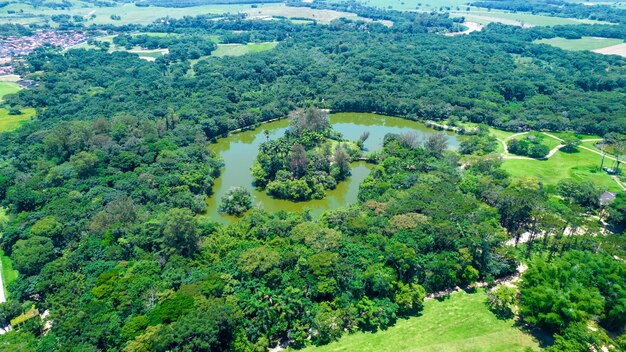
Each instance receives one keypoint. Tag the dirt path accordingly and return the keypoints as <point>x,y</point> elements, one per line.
<point>471,27</point>
<point>2,297</point>
<point>619,49</point>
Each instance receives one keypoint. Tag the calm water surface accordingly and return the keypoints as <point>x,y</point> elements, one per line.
<point>240,150</point>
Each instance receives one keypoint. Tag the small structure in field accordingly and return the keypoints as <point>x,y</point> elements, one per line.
<point>606,198</point>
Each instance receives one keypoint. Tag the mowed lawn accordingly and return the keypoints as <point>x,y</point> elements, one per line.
<point>8,273</point>
<point>581,165</point>
<point>460,323</point>
<point>584,43</point>
<point>12,122</point>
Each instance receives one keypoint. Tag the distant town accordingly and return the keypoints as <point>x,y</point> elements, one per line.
<point>13,48</point>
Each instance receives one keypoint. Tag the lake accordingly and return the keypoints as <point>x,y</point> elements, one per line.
<point>239,151</point>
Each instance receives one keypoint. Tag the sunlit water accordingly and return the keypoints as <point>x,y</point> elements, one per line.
<point>239,151</point>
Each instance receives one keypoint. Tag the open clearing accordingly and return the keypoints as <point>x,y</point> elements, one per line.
<point>12,122</point>
<point>241,49</point>
<point>461,323</point>
<point>619,49</point>
<point>584,43</point>
<point>516,19</point>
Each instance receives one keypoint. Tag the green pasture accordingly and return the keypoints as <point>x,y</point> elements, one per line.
<point>460,323</point>
<point>584,43</point>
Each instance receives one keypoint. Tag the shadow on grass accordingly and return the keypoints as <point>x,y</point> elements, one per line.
<point>544,338</point>
<point>567,150</point>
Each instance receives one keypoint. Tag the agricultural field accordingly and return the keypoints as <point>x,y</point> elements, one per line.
<point>461,323</point>
<point>485,17</point>
<point>241,49</point>
<point>12,122</point>
<point>584,43</point>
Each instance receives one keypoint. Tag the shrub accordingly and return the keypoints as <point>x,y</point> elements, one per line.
<point>237,201</point>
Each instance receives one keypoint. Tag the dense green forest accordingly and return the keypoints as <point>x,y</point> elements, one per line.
<point>105,189</point>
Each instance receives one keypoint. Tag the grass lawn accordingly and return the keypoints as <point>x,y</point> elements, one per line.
<point>8,273</point>
<point>581,165</point>
<point>584,43</point>
<point>460,323</point>
<point>8,88</point>
<point>12,122</point>
<point>500,134</point>
<point>240,49</point>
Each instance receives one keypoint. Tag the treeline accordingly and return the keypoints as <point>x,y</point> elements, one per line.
<point>559,8</point>
<point>10,29</point>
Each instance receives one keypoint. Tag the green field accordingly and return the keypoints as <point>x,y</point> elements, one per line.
<point>581,165</point>
<point>8,88</point>
<point>460,323</point>
<point>584,43</point>
<point>12,122</point>
<point>241,49</point>
<point>519,18</point>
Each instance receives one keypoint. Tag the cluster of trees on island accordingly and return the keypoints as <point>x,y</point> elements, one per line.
<point>310,159</point>
<point>106,189</point>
